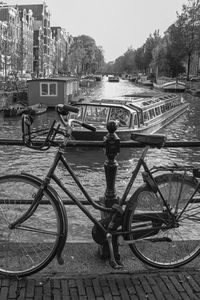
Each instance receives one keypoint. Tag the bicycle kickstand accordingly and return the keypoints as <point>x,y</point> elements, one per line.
<point>113,262</point>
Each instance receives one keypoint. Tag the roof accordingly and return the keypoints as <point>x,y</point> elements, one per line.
<point>136,103</point>
<point>107,103</point>
<point>60,79</point>
<point>37,10</point>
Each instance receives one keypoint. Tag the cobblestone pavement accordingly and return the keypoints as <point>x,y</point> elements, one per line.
<point>158,285</point>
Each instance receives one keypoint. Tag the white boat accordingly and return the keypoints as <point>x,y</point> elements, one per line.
<point>173,86</point>
<point>134,114</point>
<point>112,78</point>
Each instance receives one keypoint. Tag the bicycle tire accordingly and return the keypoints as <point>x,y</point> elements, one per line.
<point>27,250</point>
<point>165,248</point>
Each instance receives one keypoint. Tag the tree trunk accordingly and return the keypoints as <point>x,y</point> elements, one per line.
<point>188,67</point>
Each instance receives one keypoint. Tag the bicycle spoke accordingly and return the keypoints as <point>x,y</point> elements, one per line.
<point>26,228</point>
<point>174,239</point>
<point>29,246</point>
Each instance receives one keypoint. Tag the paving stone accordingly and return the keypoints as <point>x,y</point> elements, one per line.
<point>155,285</point>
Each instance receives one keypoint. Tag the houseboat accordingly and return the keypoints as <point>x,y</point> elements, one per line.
<point>133,114</point>
<point>53,91</point>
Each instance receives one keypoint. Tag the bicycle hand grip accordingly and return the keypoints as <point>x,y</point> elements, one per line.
<point>65,109</point>
<point>87,126</point>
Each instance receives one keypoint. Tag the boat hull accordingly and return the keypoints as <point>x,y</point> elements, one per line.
<point>36,109</point>
<point>113,78</point>
<point>14,110</point>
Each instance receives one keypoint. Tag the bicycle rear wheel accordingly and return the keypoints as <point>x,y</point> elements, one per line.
<point>161,240</point>
<point>29,247</point>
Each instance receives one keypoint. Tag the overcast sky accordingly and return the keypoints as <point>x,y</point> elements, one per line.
<point>115,25</point>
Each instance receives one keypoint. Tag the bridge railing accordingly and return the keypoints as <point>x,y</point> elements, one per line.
<point>101,144</point>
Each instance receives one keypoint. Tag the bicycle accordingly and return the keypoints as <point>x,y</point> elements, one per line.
<point>157,221</point>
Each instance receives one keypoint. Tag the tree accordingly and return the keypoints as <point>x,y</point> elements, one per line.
<point>159,63</point>
<point>151,42</point>
<point>185,33</point>
<point>84,55</point>
<point>139,59</point>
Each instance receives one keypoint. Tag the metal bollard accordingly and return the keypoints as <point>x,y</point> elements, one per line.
<point>112,149</point>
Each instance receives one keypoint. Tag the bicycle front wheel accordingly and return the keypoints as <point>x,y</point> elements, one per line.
<point>162,239</point>
<point>29,247</point>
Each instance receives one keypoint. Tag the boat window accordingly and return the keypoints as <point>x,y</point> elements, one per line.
<point>167,106</point>
<point>135,120</point>
<point>95,114</point>
<point>146,116</point>
<point>79,115</point>
<point>152,113</point>
<point>140,118</point>
<point>162,108</point>
<point>48,89</point>
<point>120,114</point>
<point>157,109</point>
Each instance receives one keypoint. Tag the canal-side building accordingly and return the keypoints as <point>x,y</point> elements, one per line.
<point>10,37</point>
<point>60,38</point>
<point>3,40</point>
<point>26,41</point>
<point>41,38</point>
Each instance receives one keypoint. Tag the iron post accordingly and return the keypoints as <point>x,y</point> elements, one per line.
<point>112,149</point>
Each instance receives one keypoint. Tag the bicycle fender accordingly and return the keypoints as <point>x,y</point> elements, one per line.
<point>53,192</point>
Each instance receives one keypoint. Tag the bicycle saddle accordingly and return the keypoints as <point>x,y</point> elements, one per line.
<point>156,140</point>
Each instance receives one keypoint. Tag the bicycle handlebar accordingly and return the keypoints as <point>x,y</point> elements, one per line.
<point>29,137</point>
<point>63,109</point>
<point>85,125</point>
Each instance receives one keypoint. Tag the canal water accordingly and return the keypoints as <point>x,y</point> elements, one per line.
<point>89,163</point>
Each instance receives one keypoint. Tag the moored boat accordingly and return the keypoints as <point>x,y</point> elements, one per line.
<point>133,114</point>
<point>144,80</point>
<point>98,77</point>
<point>16,109</point>
<point>173,86</point>
<point>112,78</point>
<point>36,109</point>
<point>87,81</point>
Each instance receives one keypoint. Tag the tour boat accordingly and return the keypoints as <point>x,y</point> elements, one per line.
<point>139,114</point>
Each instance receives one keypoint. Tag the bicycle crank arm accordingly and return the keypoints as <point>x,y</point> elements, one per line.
<point>113,262</point>
<point>122,242</point>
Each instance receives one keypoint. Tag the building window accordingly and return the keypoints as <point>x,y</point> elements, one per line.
<point>48,89</point>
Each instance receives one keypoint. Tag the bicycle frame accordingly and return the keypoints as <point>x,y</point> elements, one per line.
<point>59,157</point>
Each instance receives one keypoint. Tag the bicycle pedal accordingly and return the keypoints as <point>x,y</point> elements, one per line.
<point>115,265</point>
